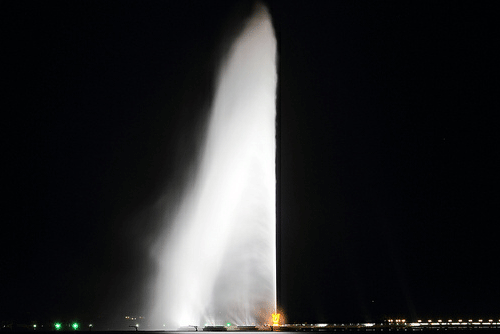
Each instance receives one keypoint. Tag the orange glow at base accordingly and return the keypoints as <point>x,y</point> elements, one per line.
<point>276,319</point>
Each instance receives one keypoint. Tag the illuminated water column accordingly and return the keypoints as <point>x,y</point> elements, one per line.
<point>218,264</point>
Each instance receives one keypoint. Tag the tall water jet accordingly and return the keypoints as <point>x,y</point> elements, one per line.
<point>218,261</point>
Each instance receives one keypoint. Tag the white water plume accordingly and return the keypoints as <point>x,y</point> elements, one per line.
<point>218,262</point>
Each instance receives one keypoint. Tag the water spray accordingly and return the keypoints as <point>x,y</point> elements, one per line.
<point>218,263</point>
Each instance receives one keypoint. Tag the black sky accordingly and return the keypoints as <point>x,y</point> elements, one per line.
<point>388,152</point>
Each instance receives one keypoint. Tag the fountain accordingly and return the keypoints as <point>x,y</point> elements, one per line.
<point>217,263</point>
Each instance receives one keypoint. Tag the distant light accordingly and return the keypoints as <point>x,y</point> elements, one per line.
<point>419,320</point>
<point>459,320</point>
<point>34,325</point>
<point>136,325</point>
<point>228,324</point>
<point>470,320</point>
<point>75,326</point>
<point>449,320</point>
<point>57,325</point>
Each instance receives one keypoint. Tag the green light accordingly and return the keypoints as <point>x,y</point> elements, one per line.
<point>57,325</point>
<point>228,324</point>
<point>75,326</point>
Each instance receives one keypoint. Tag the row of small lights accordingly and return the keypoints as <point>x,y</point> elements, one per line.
<point>480,321</point>
<point>59,326</point>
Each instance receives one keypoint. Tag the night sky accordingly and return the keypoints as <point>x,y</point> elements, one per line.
<point>388,152</point>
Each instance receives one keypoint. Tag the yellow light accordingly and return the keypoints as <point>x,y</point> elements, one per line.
<point>449,320</point>
<point>276,319</point>
<point>419,320</point>
<point>459,320</point>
